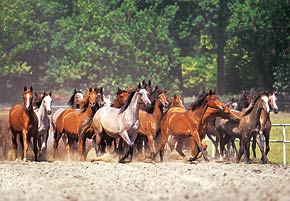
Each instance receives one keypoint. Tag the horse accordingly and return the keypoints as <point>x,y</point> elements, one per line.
<point>70,120</point>
<point>24,121</point>
<point>150,122</point>
<point>211,129</point>
<point>121,123</point>
<point>266,123</point>
<point>209,114</point>
<point>42,110</point>
<point>187,123</point>
<point>247,127</point>
<point>107,101</point>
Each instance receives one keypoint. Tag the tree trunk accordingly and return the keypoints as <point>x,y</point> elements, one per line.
<point>221,42</point>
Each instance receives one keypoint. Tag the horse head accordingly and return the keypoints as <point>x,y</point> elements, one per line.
<point>142,97</point>
<point>92,95</point>
<point>76,98</point>
<point>27,98</point>
<point>213,101</point>
<point>100,97</point>
<point>272,101</point>
<point>264,103</point>
<point>47,102</point>
<point>162,99</point>
<point>121,98</point>
<point>107,101</point>
<point>176,101</point>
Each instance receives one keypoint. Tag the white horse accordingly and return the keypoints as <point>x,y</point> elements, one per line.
<point>107,101</point>
<point>42,111</point>
<point>122,122</point>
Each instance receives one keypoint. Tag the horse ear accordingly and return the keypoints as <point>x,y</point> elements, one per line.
<point>143,82</point>
<point>49,93</point>
<point>210,92</point>
<point>139,86</point>
<point>149,83</point>
<point>25,88</point>
<point>174,96</point>
<point>109,97</point>
<point>31,89</point>
<point>75,91</point>
<point>90,90</point>
<point>101,90</point>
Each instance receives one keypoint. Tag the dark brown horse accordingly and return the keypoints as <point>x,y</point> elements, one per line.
<point>187,123</point>
<point>70,120</point>
<point>23,121</point>
<point>246,128</point>
<point>265,122</point>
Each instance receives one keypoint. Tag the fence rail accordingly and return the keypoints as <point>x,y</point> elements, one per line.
<point>284,141</point>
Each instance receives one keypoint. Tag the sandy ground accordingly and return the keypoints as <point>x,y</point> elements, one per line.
<point>178,180</point>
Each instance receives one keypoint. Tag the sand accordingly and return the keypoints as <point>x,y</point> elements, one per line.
<point>109,180</point>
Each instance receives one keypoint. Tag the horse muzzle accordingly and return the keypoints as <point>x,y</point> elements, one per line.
<point>275,111</point>
<point>49,112</point>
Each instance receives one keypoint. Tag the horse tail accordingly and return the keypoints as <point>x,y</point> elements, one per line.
<point>85,126</point>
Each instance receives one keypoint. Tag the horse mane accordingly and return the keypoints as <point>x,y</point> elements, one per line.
<point>124,107</point>
<point>199,101</point>
<point>251,106</point>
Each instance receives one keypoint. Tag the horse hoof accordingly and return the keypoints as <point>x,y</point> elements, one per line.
<point>24,160</point>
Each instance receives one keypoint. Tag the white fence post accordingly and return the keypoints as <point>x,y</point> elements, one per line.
<point>284,145</point>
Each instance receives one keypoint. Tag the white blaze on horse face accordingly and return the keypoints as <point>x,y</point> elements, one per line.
<point>144,96</point>
<point>272,101</point>
<point>27,101</point>
<point>265,99</point>
<point>47,101</point>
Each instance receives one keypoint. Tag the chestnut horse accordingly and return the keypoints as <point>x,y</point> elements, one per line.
<point>122,122</point>
<point>23,121</point>
<point>70,120</point>
<point>187,123</point>
<point>150,122</point>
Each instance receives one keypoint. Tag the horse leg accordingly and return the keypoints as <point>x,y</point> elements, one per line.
<point>254,144</point>
<point>215,143</point>
<point>247,151</point>
<point>35,147</point>
<point>261,147</point>
<point>194,137</point>
<point>151,145</point>
<point>25,145</point>
<point>14,143</point>
<point>82,142</point>
<point>266,134</point>
<point>241,149</point>
<point>179,146</point>
<point>164,137</point>
<point>57,137</point>
<point>130,143</point>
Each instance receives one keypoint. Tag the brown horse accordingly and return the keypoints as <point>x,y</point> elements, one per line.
<point>187,123</point>
<point>246,128</point>
<point>150,122</point>
<point>70,120</point>
<point>23,121</point>
<point>210,113</point>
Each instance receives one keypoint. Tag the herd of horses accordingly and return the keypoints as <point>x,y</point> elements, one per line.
<point>143,120</point>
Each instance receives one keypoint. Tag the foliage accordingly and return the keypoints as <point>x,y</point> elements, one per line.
<point>61,44</point>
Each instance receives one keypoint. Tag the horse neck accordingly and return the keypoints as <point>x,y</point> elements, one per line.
<point>200,111</point>
<point>41,112</point>
<point>209,115</point>
<point>133,107</point>
<point>255,113</point>
<point>157,114</point>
